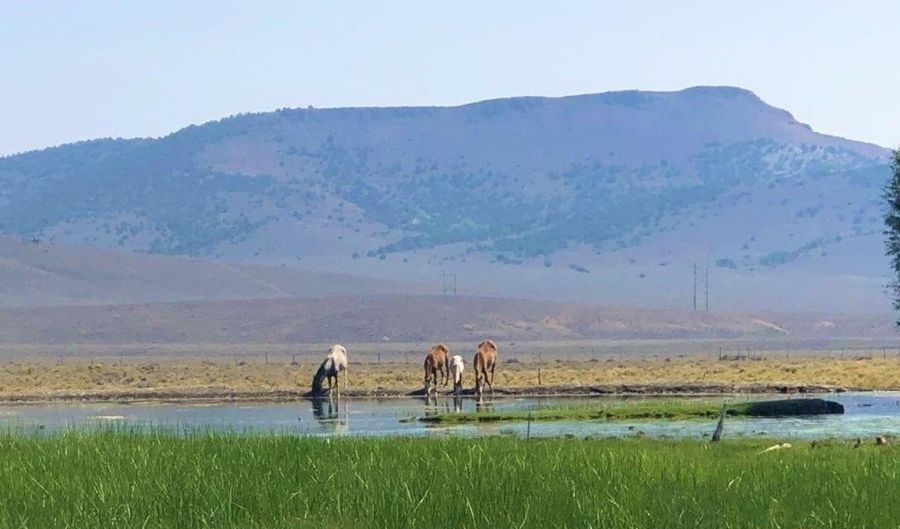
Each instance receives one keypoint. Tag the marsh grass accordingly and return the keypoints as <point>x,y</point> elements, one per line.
<point>126,479</point>
<point>613,410</point>
<point>619,410</point>
<point>629,409</point>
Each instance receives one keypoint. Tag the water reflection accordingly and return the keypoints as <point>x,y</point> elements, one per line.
<point>328,413</point>
<point>867,415</point>
<point>484,404</point>
<point>435,406</point>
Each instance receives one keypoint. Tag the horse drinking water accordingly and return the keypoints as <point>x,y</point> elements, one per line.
<point>485,361</point>
<point>456,372</point>
<point>334,363</point>
<point>436,360</point>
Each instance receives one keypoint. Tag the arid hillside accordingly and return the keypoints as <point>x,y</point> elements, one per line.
<point>46,274</point>
<point>398,318</point>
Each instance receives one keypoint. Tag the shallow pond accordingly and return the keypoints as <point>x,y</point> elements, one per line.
<point>867,415</point>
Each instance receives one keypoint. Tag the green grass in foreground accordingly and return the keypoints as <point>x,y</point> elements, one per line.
<point>125,480</point>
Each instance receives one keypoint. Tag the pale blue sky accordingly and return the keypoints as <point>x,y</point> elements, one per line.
<point>78,70</point>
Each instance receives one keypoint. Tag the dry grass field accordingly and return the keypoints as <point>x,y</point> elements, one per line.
<point>230,378</point>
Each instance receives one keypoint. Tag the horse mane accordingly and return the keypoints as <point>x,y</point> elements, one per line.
<point>441,347</point>
<point>321,373</point>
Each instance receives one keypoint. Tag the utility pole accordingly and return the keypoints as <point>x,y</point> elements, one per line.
<point>706,287</point>
<point>695,286</point>
<point>448,283</point>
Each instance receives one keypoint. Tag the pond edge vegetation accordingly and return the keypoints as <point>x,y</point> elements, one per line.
<point>646,410</point>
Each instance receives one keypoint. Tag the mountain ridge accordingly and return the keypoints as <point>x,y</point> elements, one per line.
<point>611,182</point>
<point>501,100</point>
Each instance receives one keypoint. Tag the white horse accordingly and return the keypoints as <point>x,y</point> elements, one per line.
<point>334,363</point>
<point>456,371</point>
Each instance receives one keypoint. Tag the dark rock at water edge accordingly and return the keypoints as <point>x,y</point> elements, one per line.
<point>788,407</point>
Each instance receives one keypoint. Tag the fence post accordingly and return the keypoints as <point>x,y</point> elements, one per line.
<point>720,426</point>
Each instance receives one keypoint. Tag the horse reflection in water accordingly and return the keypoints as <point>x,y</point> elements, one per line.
<point>457,404</point>
<point>433,406</point>
<point>333,415</point>
<point>483,404</point>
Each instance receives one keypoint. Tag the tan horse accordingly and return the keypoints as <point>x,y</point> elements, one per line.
<point>485,361</point>
<point>438,359</point>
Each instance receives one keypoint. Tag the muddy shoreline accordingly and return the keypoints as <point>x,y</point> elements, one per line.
<point>212,395</point>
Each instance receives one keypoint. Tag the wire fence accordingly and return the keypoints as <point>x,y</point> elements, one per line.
<point>510,352</point>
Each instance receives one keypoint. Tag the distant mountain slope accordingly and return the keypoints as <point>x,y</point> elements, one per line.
<point>42,274</point>
<point>627,182</point>
<point>393,318</point>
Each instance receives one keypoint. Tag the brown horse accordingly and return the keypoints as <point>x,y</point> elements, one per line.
<point>438,359</point>
<point>485,361</point>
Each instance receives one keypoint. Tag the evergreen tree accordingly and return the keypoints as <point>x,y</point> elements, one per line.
<point>892,221</point>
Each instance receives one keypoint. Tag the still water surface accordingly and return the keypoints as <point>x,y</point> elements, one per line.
<point>867,415</point>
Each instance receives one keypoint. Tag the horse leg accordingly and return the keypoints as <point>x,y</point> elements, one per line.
<point>491,382</point>
<point>447,367</point>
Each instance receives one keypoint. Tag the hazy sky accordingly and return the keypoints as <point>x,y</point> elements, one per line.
<point>74,70</point>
